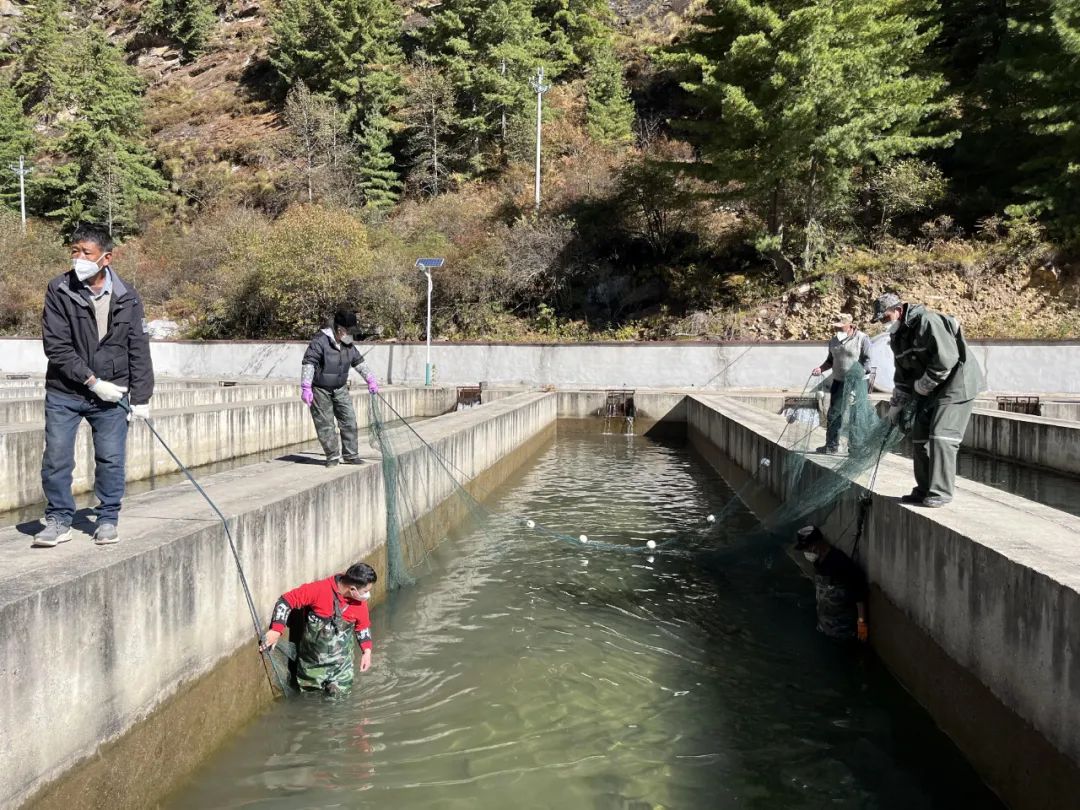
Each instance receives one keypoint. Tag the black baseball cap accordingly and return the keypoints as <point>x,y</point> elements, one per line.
<point>346,320</point>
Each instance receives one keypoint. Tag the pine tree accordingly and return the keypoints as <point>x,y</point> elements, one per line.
<point>579,32</point>
<point>350,50</point>
<point>430,117</point>
<point>609,113</point>
<point>101,168</point>
<point>1043,62</point>
<point>795,96</point>
<point>380,182</point>
<point>16,139</point>
<point>488,52</point>
<point>189,23</point>
<point>582,36</point>
<point>44,62</point>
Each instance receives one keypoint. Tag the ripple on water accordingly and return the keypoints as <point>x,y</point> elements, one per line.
<point>511,675</point>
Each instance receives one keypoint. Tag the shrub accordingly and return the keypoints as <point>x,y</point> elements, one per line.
<point>29,263</point>
<point>311,261</point>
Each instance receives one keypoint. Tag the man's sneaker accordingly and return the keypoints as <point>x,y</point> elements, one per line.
<point>54,533</point>
<point>829,451</point>
<point>935,501</point>
<point>333,462</point>
<point>106,534</point>
<point>354,460</point>
<point>913,497</point>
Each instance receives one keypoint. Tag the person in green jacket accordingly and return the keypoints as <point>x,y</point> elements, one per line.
<point>936,380</point>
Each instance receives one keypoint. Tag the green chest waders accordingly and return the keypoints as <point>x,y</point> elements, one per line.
<point>325,654</point>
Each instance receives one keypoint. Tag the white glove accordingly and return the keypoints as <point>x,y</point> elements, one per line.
<point>924,386</point>
<point>139,412</point>
<point>107,391</point>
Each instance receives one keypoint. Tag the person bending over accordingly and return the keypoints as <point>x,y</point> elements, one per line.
<point>336,618</point>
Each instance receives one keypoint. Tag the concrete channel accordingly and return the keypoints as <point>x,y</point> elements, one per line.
<point>975,608</point>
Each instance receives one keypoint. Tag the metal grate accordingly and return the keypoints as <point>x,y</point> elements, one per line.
<point>620,405</point>
<point>800,403</point>
<point>1025,405</point>
<point>469,396</point>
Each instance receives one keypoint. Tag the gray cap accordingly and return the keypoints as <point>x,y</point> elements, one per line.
<point>886,302</point>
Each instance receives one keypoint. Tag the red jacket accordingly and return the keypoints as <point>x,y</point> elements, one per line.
<point>319,597</point>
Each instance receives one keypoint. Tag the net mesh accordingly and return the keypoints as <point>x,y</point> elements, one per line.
<point>808,489</point>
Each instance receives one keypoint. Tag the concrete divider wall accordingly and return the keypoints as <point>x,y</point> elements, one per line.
<point>198,435</point>
<point>985,596</point>
<point>1053,444</point>
<point>15,411</point>
<point>1028,367</point>
<point>100,639</point>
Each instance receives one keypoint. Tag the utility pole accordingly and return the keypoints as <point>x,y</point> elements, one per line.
<point>540,88</point>
<point>22,170</point>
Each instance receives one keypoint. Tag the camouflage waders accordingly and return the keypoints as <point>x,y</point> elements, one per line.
<point>325,654</point>
<point>836,611</point>
<point>331,410</point>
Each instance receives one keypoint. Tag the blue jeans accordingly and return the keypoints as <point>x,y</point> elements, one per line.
<point>109,427</point>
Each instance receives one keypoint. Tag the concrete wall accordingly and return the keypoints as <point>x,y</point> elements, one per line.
<point>16,411</point>
<point>98,639</point>
<point>1068,411</point>
<point>198,435</point>
<point>1031,367</point>
<point>984,595</point>
<point>1053,444</point>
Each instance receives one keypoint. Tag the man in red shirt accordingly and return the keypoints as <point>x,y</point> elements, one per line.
<point>337,613</point>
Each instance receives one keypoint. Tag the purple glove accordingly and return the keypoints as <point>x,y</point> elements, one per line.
<point>306,395</point>
<point>372,384</point>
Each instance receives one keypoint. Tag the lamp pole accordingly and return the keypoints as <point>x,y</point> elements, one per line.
<point>540,88</point>
<point>425,266</point>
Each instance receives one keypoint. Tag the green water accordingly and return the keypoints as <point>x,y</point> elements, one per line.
<point>526,672</point>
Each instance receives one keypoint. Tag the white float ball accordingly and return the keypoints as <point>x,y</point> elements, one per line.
<point>651,544</point>
<point>584,538</point>
<point>711,519</point>
<point>530,524</point>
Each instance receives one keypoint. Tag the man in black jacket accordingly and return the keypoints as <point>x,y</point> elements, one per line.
<point>94,335</point>
<point>324,377</point>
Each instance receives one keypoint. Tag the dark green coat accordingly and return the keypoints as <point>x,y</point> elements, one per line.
<point>930,346</point>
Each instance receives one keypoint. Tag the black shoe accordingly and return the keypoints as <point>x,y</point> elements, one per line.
<point>354,460</point>
<point>829,451</point>
<point>913,497</point>
<point>332,462</point>
<point>935,501</point>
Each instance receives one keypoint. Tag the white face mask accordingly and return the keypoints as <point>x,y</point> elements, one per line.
<point>364,597</point>
<point>894,326</point>
<point>85,269</point>
<point>841,334</point>
<point>345,340</point>
<point>811,556</point>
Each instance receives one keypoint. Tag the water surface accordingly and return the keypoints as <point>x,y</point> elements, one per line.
<point>521,671</point>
